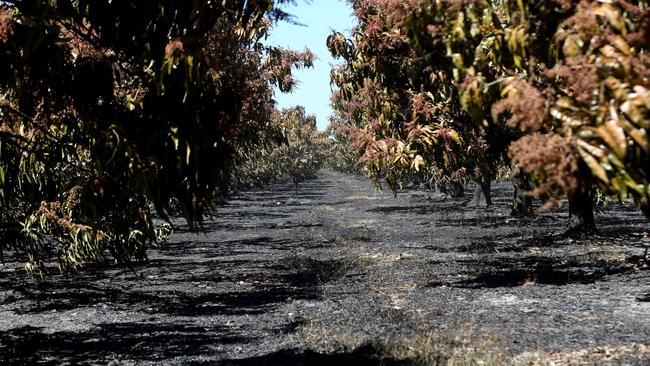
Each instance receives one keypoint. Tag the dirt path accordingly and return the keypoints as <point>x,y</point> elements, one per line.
<point>336,273</point>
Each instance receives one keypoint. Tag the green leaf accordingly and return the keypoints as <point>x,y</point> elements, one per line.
<point>614,137</point>
<point>593,164</point>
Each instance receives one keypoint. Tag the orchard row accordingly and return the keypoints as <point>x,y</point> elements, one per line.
<point>113,110</point>
<point>555,92</point>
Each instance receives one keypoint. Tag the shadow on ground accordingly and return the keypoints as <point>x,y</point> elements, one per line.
<point>366,355</point>
<point>338,257</point>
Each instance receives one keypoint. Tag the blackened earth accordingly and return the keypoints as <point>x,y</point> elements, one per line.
<point>334,272</point>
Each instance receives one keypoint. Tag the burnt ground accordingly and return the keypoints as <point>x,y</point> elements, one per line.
<point>334,272</point>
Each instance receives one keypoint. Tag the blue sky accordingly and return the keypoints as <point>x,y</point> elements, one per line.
<point>319,18</point>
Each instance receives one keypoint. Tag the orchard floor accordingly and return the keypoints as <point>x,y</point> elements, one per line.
<point>335,273</point>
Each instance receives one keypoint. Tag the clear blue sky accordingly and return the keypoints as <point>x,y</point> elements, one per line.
<point>319,18</point>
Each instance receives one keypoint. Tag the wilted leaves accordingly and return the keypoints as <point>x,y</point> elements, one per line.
<point>135,105</point>
<point>570,71</point>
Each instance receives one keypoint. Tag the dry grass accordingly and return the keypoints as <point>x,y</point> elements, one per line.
<point>604,355</point>
<point>426,348</point>
<point>360,198</point>
<point>445,349</point>
<point>461,348</point>
<point>324,340</point>
<point>331,269</point>
<point>458,343</point>
<point>450,348</point>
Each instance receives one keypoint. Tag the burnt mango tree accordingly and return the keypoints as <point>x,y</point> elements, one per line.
<point>397,91</point>
<point>384,93</point>
<point>561,85</point>
<point>297,153</point>
<point>594,85</point>
<point>341,156</point>
<point>302,155</point>
<point>110,108</point>
<point>571,76</point>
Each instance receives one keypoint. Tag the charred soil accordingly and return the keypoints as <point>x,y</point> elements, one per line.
<point>334,273</point>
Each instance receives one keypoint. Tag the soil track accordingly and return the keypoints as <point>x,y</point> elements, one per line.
<point>335,273</point>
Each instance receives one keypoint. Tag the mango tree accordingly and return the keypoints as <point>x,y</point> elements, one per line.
<point>397,90</point>
<point>296,155</point>
<point>572,76</point>
<point>109,108</point>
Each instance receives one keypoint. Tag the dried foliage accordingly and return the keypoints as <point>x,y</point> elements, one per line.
<point>297,156</point>
<point>339,150</point>
<point>402,114</point>
<point>550,159</point>
<point>6,25</point>
<point>574,70</point>
<point>110,109</point>
<point>526,107</point>
<point>594,83</point>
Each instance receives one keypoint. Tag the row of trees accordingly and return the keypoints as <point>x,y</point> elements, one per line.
<point>298,156</point>
<point>557,90</point>
<point>110,108</point>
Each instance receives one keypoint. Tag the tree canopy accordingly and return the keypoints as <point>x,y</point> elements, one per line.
<point>562,86</point>
<point>112,108</point>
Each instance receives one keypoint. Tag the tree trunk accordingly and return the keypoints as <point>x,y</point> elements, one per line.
<point>482,195</point>
<point>644,206</point>
<point>646,211</point>
<point>581,211</point>
<point>453,189</point>
<point>431,185</point>
<point>522,205</point>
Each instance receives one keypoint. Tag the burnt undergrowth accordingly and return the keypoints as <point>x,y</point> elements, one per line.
<point>141,341</point>
<point>273,282</point>
<point>329,262</point>
<point>543,270</point>
<point>365,355</point>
